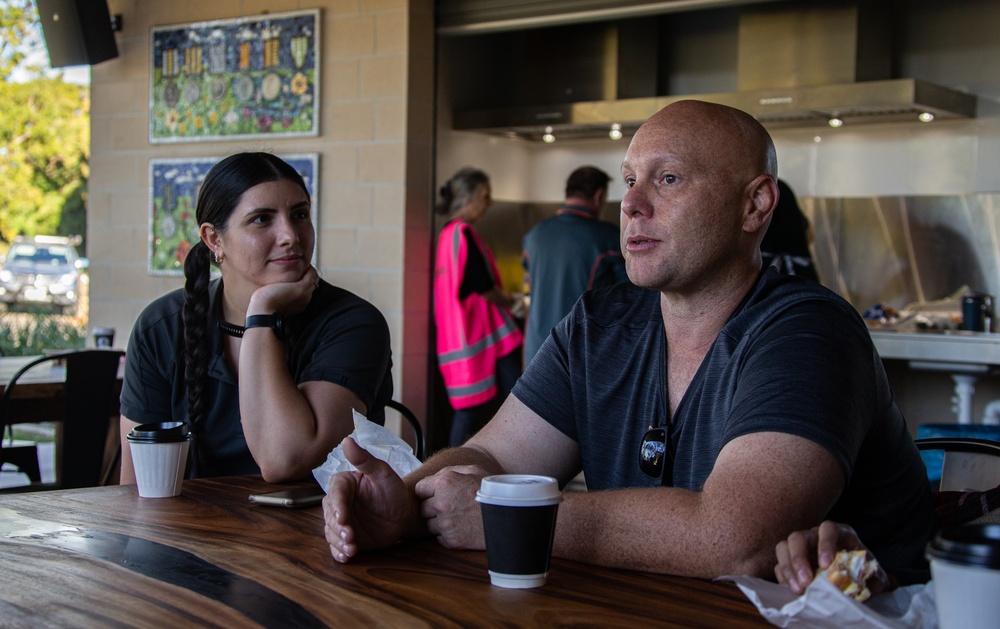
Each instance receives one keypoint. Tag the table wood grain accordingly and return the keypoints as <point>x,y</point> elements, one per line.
<point>104,557</point>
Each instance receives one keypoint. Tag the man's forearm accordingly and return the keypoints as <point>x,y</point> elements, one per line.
<point>463,455</point>
<point>662,530</point>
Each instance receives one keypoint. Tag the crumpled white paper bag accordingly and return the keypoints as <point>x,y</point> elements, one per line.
<point>381,442</point>
<point>823,606</point>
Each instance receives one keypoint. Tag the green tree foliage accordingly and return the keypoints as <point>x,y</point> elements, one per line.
<point>44,137</point>
<point>44,148</point>
<point>19,33</point>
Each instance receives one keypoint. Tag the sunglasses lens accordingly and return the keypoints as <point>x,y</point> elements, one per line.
<point>652,452</point>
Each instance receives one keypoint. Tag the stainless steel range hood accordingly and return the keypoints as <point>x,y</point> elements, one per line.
<point>796,67</point>
<point>894,100</point>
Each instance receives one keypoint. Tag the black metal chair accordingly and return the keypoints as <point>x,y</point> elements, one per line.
<point>968,463</point>
<point>418,433</point>
<point>970,480</point>
<point>88,397</point>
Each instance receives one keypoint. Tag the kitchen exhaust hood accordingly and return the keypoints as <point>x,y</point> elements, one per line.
<point>797,67</point>
<point>894,100</point>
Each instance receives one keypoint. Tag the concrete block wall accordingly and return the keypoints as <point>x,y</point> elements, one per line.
<point>375,145</point>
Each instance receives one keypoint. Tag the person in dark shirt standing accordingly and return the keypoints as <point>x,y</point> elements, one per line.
<point>786,242</point>
<point>568,254</point>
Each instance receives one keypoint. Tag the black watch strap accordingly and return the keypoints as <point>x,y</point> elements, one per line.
<point>272,321</point>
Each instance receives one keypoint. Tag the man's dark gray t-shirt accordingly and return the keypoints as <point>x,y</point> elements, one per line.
<point>794,358</point>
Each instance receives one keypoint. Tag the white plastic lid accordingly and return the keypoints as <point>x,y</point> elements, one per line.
<point>518,581</point>
<point>519,490</point>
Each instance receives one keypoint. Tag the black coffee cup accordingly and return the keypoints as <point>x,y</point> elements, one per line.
<point>519,522</point>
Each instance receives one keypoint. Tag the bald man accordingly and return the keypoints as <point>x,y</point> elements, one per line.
<point>763,391</point>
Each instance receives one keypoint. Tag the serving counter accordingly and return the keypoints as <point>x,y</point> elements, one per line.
<point>958,349</point>
<point>964,356</point>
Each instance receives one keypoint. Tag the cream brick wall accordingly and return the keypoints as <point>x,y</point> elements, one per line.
<point>375,141</point>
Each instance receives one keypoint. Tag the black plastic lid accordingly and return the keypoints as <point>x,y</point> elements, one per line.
<point>970,545</point>
<point>159,432</point>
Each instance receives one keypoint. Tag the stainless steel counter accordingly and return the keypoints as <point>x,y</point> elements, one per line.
<point>964,356</point>
<point>976,350</point>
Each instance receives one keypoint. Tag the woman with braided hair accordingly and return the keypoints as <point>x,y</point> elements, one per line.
<point>265,362</point>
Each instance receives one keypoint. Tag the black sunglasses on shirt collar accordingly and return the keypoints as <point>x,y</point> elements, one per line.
<point>655,458</point>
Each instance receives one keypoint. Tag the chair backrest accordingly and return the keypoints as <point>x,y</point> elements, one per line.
<point>88,395</point>
<point>418,433</point>
<point>968,463</point>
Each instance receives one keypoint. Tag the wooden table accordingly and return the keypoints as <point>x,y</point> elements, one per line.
<point>38,393</point>
<point>47,377</point>
<point>42,382</point>
<point>104,556</point>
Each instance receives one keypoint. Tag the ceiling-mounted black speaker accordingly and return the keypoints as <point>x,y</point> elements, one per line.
<point>77,32</point>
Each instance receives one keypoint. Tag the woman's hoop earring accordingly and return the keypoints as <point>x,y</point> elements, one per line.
<point>218,258</point>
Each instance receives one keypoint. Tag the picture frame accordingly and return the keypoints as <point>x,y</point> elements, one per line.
<point>174,185</point>
<point>237,78</point>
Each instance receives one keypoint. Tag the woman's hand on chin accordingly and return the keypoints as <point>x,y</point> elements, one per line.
<point>288,298</point>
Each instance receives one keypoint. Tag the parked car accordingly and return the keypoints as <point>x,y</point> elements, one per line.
<point>42,270</point>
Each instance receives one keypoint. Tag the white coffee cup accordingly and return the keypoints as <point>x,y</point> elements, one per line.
<point>519,522</point>
<point>965,566</point>
<point>159,457</point>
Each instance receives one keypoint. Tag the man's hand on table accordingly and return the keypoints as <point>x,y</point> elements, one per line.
<point>365,509</point>
<point>448,503</point>
<point>372,507</point>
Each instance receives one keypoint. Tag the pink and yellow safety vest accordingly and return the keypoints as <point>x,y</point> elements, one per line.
<point>472,333</point>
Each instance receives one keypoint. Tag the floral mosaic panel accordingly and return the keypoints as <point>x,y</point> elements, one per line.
<point>173,229</point>
<point>238,78</point>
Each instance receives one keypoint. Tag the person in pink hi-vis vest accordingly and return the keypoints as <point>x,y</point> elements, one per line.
<point>478,341</point>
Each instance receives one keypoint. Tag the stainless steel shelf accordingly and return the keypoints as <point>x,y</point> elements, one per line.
<point>951,350</point>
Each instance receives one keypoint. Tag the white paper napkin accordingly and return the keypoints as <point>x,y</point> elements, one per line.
<point>823,606</point>
<point>381,442</point>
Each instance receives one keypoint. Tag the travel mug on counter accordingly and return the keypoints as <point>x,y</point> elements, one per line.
<point>977,312</point>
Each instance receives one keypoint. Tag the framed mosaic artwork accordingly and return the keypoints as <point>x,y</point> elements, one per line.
<point>174,185</point>
<point>238,78</point>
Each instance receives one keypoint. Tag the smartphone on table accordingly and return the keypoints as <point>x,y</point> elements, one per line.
<point>291,498</point>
